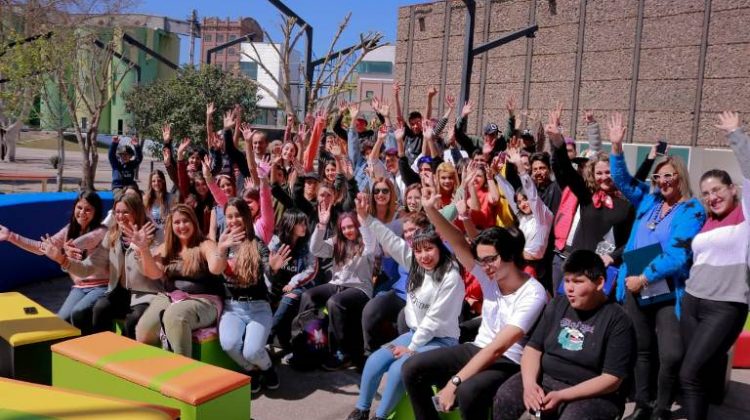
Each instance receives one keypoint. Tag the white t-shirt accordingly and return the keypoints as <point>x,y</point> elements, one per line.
<point>520,309</point>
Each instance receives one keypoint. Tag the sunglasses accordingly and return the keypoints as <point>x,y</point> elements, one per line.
<point>488,259</point>
<point>383,191</point>
<point>668,177</point>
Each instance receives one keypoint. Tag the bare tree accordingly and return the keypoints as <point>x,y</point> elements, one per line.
<point>334,75</point>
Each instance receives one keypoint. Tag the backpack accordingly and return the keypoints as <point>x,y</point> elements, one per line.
<point>309,339</point>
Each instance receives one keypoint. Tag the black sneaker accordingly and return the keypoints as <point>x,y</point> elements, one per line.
<point>271,378</point>
<point>255,384</point>
<point>641,412</point>
<point>358,414</point>
<point>336,361</point>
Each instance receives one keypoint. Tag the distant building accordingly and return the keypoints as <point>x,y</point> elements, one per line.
<point>215,31</point>
<point>270,111</point>
<point>374,76</point>
<point>114,118</point>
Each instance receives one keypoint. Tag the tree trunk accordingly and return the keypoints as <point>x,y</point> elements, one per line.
<point>12,135</point>
<point>87,181</point>
<point>61,158</point>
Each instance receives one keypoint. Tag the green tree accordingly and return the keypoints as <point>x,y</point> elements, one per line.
<point>182,101</point>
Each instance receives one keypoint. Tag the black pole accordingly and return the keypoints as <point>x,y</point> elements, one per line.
<point>124,59</point>
<point>309,68</point>
<point>134,42</point>
<point>468,61</point>
<point>528,32</point>
<point>10,45</point>
<point>247,37</point>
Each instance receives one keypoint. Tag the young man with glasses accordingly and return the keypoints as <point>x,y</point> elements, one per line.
<point>470,373</point>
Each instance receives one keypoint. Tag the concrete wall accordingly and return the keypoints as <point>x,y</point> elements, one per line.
<point>668,65</point>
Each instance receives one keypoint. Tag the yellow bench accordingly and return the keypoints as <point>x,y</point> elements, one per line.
<point>27,330</point>
<point>21,400</point>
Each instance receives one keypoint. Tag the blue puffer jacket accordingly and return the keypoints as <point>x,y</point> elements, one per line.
<point>687,221</point>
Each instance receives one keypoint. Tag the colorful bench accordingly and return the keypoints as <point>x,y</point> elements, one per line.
<point>742,348</point>
<point>111,365</point>
<point>404,411</point>
<point>20,400</point>
<point>207,349</point>
<point>27,330</point>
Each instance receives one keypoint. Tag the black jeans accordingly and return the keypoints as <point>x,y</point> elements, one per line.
<point>509,403</point>
<point>345,305</point>
<point>709,328</point>
<point>657,332</point>
<point>116,305</point>
<point>380,320</point>
<point>436,367</point>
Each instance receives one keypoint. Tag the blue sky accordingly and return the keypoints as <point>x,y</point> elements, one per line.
<point>323,15</point>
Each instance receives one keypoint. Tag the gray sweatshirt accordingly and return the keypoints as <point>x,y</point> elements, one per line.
<point>357,272</point>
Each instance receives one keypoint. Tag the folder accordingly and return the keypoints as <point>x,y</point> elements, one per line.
<point>637,261</point>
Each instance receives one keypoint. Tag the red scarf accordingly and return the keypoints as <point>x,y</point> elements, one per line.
<point>601,198</point>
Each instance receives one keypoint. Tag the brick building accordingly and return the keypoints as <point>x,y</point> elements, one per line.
<point>669,66</point>
<point>217,31</point>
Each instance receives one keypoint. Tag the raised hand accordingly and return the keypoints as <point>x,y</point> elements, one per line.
<point>375,103</point>
<point>432,91</point>
<point>290,120</point>
<point>511,106</point>
<point>247,132</point>
<point>396,88</point>
<point>385,109</point>
<point>466,110</point>
<point>166,132</point>
<point>461,208</point>
<point>166,154</point>
<point>302,133</point>
<point>430,199</point>
<point>229,119</point>
<point>400,132</point>
<point>230,238</point>
<point>553,120</point>
<point>728,121</point>
<point>206,167</point>
<point>514,157</point>
<point>450,101</point>
<point>353,110</point>
<point>362,206</point>
<point>343,106</point>
<point>182,148</point>
<point>324,212</point>
<point>279,258</point>
<point>210,109</point>
<point>336,148</point>
<point>115,139</point>
<point>616,130</point>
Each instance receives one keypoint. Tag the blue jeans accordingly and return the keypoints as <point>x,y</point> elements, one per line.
<point>243,332</point>
<point>77,308</point>
<point>282,319</point>
<point>382,361</point>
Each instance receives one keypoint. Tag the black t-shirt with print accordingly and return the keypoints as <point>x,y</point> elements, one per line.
<point>580,345</point>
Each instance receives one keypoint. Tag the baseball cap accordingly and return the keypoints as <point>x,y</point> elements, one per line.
<point>310,175</point>
<point>491,128</point>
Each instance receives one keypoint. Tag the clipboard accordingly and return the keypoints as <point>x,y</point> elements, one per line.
<point>637,261</point>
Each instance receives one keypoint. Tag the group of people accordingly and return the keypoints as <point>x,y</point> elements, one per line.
<point>508,272</point>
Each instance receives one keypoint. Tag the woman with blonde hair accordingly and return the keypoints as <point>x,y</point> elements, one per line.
<point>157,199</point>
<point>446,179</point>
<point>668,218</point>
<point>192,265</point>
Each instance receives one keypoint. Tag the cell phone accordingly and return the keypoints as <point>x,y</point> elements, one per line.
<point>436,403</point>
<point>661,147</point>
<point>30,310</point>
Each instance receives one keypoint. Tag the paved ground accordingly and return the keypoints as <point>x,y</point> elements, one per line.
<point>320,395</point>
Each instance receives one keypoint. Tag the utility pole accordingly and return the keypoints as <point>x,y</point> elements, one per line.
<point>193,24</point>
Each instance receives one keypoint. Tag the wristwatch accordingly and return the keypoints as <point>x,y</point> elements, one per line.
<point>456,380</point>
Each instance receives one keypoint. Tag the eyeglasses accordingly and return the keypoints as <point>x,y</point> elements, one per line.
<point>384,191</point>
<point>714,192</point>
<point>485,261</point>
<point>667,177</point>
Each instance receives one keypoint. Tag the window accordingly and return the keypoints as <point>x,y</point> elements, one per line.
<point>232,37</point>
<point>84,123</point>
<point>207,38</point>
<point>119,127</point>
<point>249,69</point>
<point>375,67</point>
<point>369,94</point>
<point>231,51</point>
<point>219,38</point>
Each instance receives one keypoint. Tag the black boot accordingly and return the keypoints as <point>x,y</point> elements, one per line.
<point>641,412</point>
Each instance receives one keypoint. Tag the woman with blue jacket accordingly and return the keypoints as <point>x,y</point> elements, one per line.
<point>671,218</point>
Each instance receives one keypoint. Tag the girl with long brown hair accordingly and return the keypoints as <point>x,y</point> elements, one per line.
<point>246,321</point>
<point>190,265</point>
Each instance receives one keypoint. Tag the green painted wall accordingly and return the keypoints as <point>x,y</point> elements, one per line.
<point>114,117</point>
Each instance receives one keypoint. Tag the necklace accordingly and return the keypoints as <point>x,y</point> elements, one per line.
<point>654,220</point>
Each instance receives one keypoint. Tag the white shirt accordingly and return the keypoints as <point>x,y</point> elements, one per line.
<point>535,226</point>
<point>520,309</point>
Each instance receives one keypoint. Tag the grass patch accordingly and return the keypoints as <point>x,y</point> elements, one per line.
<point>45,140</point>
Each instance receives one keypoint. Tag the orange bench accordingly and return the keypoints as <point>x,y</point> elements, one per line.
<point>116,366</point>
<point>26,176</point>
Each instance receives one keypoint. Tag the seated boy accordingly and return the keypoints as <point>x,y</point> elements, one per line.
<point>578,356</point>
